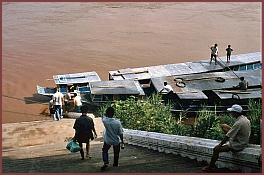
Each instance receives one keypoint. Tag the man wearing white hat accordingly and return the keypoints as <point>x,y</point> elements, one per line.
<point>237,135</point>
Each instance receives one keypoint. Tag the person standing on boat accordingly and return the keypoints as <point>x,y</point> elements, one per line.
<point>67,101</point>
<point>238,136</point>
<point>214,53</point>
<point>77,102</point>
<point>58,101</point>
<point>228,53</point>
<point>168,90</point>
<point>84,129</point>
<point>113,135</point>
<point>243,84</point>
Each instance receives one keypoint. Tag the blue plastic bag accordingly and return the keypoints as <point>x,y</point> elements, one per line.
<point>73,147</point>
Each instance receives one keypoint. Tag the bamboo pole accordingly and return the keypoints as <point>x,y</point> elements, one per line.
<point>194,92</point>
<point>74,77</point>
<point>208,77</point>
<point>229,68</point>
<point>120,86</point>
<point>132,72</point>
<point>233,91</point>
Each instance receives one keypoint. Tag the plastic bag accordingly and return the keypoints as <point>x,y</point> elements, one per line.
<point>73,147</point>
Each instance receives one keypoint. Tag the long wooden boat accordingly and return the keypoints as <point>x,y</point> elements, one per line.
<point>192,82</point>
<point>196,84</point>
<point>92,90</point>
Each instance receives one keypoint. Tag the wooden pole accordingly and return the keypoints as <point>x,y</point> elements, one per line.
<point>233,91</point>
<point>120,86</point>
<point>124,73</point>
<point>229,68</point>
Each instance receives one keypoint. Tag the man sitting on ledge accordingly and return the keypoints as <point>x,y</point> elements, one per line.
<point>238,136</point>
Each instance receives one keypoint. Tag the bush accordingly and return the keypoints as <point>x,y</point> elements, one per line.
<point>149,115</point>
<point>152,116</point>
<point>254,116</point>
<point>207,125</point>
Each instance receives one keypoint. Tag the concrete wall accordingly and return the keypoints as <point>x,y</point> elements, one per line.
<point>200,149</point>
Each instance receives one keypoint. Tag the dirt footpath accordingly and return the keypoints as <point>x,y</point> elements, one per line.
<point>24,134</point>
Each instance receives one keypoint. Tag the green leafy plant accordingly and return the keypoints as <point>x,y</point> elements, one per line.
<point>254,116</point>
<point>151,115</point>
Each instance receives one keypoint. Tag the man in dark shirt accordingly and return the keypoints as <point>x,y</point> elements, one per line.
<point>243,84</point>
<point>84,126</point>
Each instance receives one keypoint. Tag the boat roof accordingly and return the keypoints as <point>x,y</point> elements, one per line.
<point>206,81</point>
<point>75,78</point>
<point>196,84</point>
<point>241,59</point>
<point>116,87</point>
<point>250,93</point>
<point>183,68</point>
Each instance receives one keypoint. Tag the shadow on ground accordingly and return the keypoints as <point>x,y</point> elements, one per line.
<point>132,160</point>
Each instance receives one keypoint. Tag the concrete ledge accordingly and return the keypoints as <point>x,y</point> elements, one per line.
<point>200,149</point>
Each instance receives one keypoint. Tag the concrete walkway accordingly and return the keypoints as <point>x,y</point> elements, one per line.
<point>56,158</point>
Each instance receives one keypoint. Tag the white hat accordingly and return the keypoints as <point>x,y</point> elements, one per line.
<point>235,108</point>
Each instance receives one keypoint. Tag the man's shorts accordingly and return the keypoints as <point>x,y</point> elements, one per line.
<point>66,103</point>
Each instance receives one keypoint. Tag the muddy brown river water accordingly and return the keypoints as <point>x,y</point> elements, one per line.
<point>42,39</point>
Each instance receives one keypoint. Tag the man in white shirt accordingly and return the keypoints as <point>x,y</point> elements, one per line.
<point>58,100</point>
<point>214,53</point>
<point>168,90</point>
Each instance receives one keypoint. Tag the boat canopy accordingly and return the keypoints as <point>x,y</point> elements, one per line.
<point>195,85</point>
<point>116,87</point>
<point>208,81</point>
<point>186,68</point>
<point>249,94</point>
<point>76,78</point>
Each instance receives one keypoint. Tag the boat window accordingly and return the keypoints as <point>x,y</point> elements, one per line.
<point>82,84</point>
<point>243,67</point>
<point>50,90</point>
<point>250,66</point>
<point>62,79</point>
<point>257,66</point>
<point>108,97</point>
<point>97,98</point>
<point>122,97</point>
<point>63,90</point>
<point>236,68</point>
<point>84,89</point>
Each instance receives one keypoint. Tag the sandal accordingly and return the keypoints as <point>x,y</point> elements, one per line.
<point>104,167</point>
<point>87,155</point>
<point>208,169</point>
<point>81,159</point>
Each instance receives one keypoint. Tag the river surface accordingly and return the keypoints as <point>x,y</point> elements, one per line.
<point>42,39</point>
